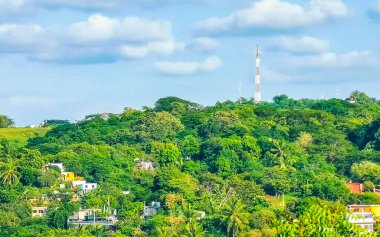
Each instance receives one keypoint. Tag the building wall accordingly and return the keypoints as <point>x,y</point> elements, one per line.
<point>69,176</point>
<point>355,187</point>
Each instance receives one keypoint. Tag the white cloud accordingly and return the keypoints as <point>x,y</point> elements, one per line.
<point>205,43</point>
<point>10,7</point>
<point>86,4</point>
<point>99,38</point>
<point>189,67</point>
<point>376,8</point>
<point>109,4</point>
<point>26,38</point>
<point>273,76</point>
<point>305,44</point>
<point>277,14</point>
<point>352,59</point>
<point>99,28</point>
<point>159,47</point>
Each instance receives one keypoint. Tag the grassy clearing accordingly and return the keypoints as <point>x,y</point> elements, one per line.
<point>21,134</point>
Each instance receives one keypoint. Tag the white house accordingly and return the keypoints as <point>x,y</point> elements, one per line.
<point>89,217</point>
<point>59,165</point>
<point>365,220</point>
<point>145,165</point>
<point>84,186</point>
<point>39,211</point>
<point>89,187</point>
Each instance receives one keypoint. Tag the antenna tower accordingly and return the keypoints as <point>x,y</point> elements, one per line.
<point>257,98</point>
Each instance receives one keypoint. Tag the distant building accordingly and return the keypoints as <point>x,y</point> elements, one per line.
<point>375,209</point>
<point>89,217</point>
<point>104,116</point>
<point>376,190</point>
<point>351,100</point>
<point>70,176</point>
<point>89,187</point>
<point>39,211</point>
<point>35,126</point>
<point>151,210</point>
<point>145,165</point>
<point>59,165</point>
<point>355,187</point>
<point>364,215</point>
<point>365,220</point>
<point>84,186</point>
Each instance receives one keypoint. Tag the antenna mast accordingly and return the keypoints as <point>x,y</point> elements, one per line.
<point>257,76</point>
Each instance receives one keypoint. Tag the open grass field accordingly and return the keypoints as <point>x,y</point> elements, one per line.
<point>21,134</point>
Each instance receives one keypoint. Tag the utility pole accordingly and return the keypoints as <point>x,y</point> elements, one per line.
<point>257,97</point>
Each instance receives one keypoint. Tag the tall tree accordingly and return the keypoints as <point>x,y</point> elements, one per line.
<point>9,171</point>
<point>235,216</point>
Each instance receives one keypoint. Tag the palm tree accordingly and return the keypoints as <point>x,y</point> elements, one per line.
<point>9,174</point>
<point>282,151</point>
<point>97,230</point>
<point>194,230</point>
<point>165,231</point>
<point>7,149</point>
<point>235,217</point>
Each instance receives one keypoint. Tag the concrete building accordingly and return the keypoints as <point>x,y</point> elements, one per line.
<point>365,220</point>
<point>39,211</point>
<point>145,165</point>
<point>59,165</point>
<point>84,186</point>
<point>151,210</point>
<point>355,187</point>
<point>364,215</point>
<point>374,209</point>
<point>90,217</point>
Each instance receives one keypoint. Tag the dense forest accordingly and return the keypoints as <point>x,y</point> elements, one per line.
<point>232,169</point>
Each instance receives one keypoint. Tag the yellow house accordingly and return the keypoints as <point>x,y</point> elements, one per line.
<point>78,178</point>
<point>68,176</point>
<point>375,209</point>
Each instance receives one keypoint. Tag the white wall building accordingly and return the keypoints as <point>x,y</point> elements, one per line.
<point>39,211</point>
<point>365,220</point>
<point>84,186</point>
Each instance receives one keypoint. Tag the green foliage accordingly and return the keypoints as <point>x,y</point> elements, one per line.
<point>366,171</point>
<point>232,169</point>
<point>5,122</point>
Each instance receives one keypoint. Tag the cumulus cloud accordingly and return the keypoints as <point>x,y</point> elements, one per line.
<point>97,39</point>
<point>204,43</point>
<point>376,8</point>
<point>24,38</point>
<point>274,76</point>
<point>304,44</point>
<point>159,47</point>
<point>101,28</point>
<point>81,4</point>
<point>181,68</point>
<point>277,15</point>
<point>352,59</point>
<point>374,12</point>
<point>10,7</point>
<point>108,4</point>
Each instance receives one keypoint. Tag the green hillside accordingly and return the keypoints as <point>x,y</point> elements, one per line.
<point>22,134</point>
<point>237,169</point>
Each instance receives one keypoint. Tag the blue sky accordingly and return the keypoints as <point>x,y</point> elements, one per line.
<point>66,59</point>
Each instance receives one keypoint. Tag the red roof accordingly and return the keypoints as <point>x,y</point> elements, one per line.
<point>355,187</point>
